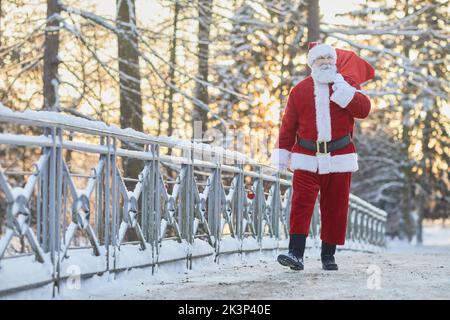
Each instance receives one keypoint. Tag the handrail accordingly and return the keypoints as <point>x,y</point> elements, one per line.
<point>47,119</point>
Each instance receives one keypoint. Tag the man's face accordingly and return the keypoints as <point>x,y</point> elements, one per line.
<point>324,69</point>
<point>323,60</point>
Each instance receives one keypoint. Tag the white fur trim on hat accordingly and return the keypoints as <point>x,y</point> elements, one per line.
<point>321,50</point>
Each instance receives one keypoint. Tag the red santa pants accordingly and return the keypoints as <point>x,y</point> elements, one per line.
<point>334,201</point>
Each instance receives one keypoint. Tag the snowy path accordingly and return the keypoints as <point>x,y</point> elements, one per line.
<point>404,271</point>
<point>419,273</point>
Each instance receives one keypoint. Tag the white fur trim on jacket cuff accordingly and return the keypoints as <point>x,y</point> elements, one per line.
<point>324,164</point>
<point>280,157</point>
<point>343,95</point>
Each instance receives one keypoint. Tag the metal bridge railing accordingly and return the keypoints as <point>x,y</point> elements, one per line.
<point>67,207</point>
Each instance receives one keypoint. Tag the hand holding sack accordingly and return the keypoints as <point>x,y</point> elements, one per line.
<point>343,91</point>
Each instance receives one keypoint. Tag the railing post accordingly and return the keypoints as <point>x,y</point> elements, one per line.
<point>186,206</point>
<point>107,207</point>
<point>276,206</point>
<point>215,206</point>
<point>348,234</point>
<point>259,205</point>
<point>372,232</point>
<point>315,221</point>
<point>43,234</point>
<point>151,202</point>
<point>59,184</point>
<point>239,199</point>
<point>115,199</point>
<point>286,211</point>
<point>357,224</point>
<point>100,198</point>
<point>380,233</point>
<point>383,232</point>
<point>366,227</point>
<point>52,206</point>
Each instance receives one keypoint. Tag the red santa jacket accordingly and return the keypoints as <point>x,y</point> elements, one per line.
<point>310,114</point>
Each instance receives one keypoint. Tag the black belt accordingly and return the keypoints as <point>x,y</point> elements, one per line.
<point>323,146</point>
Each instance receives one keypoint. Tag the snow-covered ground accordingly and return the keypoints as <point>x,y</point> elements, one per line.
<point>403,271</point>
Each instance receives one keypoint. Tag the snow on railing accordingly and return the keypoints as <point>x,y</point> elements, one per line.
<point>77,214</point>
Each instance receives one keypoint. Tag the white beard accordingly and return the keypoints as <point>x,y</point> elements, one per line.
<point>326,73</point>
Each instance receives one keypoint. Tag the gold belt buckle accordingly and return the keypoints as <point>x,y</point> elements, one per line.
<point>318,147</point>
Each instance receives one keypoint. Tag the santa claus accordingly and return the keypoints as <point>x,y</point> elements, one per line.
<point>316,141</point>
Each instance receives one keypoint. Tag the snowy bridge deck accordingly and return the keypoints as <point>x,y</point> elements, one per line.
<point>70,212</point>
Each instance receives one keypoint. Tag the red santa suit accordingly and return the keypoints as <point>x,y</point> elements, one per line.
<point>315,111</point>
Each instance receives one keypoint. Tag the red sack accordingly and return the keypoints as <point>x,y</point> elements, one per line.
<point>349,64</point>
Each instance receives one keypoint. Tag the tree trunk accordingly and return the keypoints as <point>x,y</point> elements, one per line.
<point>313,20</point>
<point>1,15</point>
<point>406,141</point>
<point>427,167</point>
<point>172,69</point>
<point>129,77</point>
<point>51,47</point>
<point>313,23</point>
<point>419,232</point>
<point>201,91</point>
<point>173,60</point>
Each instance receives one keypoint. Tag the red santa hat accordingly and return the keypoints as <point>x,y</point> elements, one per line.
<point>317,49</point>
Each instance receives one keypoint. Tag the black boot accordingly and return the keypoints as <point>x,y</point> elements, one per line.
<point>294,258</point>
<point>327,256</point>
